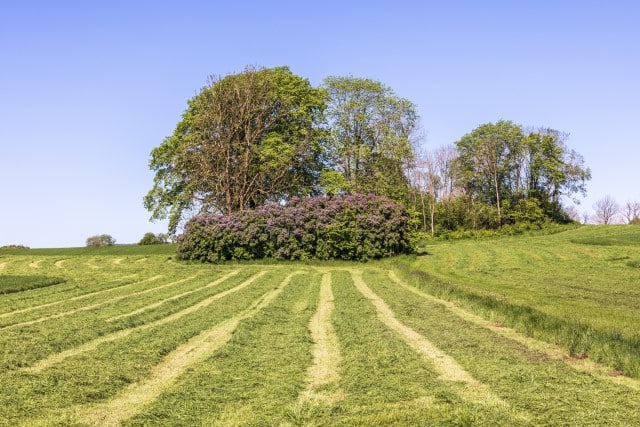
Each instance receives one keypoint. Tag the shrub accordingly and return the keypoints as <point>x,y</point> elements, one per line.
<point>351,227</point>
<point>100,241</point>
<point>15,247</point>
<point>153,239</point>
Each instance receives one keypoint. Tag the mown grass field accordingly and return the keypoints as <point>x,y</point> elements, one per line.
<point>131,337</point>
<point>579,288</point>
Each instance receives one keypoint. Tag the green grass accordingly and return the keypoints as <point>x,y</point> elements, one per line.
<point>166,249</point>
<point>545,389</point>
<point>578,288</point>
<point>11,284</point>
<point>80,351</point>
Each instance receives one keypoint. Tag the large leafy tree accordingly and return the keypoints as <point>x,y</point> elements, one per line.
<point>243,140</point>
<point>487,157</point>
<point>370,136</point>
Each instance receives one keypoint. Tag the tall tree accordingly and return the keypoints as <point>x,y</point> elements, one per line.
<point>553,169</point>
<point>432,180</point>
<point>370,135</point>
<point>487,159</point>
<point>244,139</point>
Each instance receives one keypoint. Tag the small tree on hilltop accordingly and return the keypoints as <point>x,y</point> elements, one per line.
<point>100,241</point>
<point>607,210</point>
<point>153,239</point>
<point>631,212</point>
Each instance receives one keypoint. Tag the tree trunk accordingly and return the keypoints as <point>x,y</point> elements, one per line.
<point>495,182</point>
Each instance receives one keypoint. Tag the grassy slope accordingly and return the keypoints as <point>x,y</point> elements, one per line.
<point>579,288</point>
<point>258,375</point>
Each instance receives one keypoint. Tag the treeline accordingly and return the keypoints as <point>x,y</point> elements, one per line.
<point>498,174</point>
<point>267,135</point>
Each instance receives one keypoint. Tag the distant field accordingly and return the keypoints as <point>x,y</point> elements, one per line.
<point>132,337</point>
<point>168,249</point>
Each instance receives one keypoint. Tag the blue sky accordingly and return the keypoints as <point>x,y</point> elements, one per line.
<point>88,89</point>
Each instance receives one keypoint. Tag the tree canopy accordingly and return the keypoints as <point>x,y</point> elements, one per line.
<point>266,135</point>
<point>370,136</point>
<point>244,139</point>
<point>500,162</point>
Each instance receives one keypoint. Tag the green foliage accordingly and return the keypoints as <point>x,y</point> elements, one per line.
<point>351,227</point>
<point>499,165</point>
<point>127,312</point>
<point>370,136</point>
<point>498,175</point>
<point>153,239</point>
<point>101,240</point>
<point>574,288</point>
<point>526,211</point>
<point>12,283</point>
<point>333,183</point>
<point>245,139</point>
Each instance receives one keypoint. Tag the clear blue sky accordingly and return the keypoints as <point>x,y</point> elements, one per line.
<point>88,89</point>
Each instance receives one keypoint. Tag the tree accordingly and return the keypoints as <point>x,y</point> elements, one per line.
<point>572,213</point>
<point>500,164</point>
<point>487,157</point>
<point>606,210</point>
<point>553,170</point>
<point>371,131</point>
<point>586,216</point>
<point>153,239</point>
<point>631,211</point>
<point>100,241</point>
<point>432,181</point>
<point>245,139</point>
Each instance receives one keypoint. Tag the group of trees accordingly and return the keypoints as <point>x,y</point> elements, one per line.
<point>267,135</point>
<point>608,211</point>
<point>101,240</point>
<point>498,174</point>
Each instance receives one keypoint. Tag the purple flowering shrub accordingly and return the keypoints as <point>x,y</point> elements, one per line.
<point>351,227</point>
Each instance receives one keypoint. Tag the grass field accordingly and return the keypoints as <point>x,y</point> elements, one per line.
<point>131,337</point>
<point>579,289</point>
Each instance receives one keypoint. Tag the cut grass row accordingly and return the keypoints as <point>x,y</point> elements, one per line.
<point>97,375</point>
<point>532,381</point>
<point>67,327</point>
<point>12,284</point>
<point>556,288</point>
<point>290,345</point>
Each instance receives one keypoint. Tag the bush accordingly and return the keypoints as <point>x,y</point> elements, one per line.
<point>100,241</point>
<point>352,227</point>
<point>15,247</point>
<point>153,239</point>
